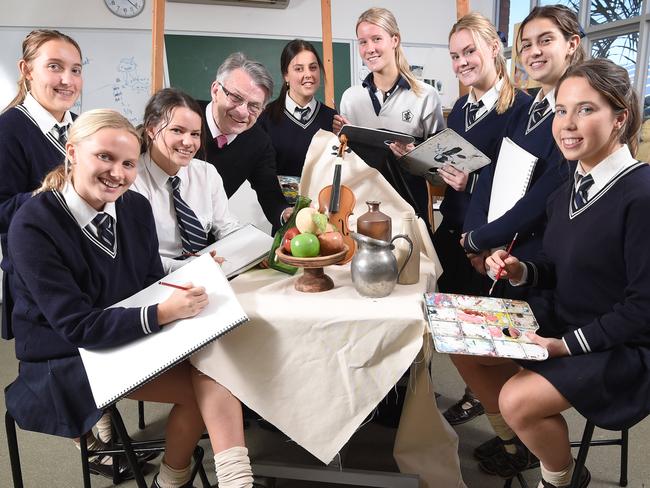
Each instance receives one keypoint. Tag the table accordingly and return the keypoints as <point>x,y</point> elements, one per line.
<point>316,365</point>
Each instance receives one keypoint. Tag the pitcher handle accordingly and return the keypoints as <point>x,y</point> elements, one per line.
<point>408,239</point>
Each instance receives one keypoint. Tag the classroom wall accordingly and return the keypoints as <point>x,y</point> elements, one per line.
<point>421,21</point>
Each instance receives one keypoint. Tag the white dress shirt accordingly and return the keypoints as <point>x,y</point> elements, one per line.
<point>291,106</point>
<point>201,189</point>
<point>82,211</point>
<point>607,169</point>
<point>489,98</point>
<point>44,119</point>
<point>212,125</point>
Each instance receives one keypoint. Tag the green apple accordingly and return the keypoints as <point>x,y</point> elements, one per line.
<point>305,245</point>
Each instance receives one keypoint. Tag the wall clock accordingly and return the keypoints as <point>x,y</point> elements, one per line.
<point>125,8</point>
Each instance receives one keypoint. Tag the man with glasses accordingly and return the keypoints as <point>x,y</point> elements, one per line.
<point>238,148</point>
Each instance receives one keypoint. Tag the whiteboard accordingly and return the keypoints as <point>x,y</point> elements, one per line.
<point>116,68</point>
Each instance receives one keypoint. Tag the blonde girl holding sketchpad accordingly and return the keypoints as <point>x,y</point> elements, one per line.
<point>81,244</point>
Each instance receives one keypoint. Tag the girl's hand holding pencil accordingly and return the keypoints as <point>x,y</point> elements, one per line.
<point>186,301</point>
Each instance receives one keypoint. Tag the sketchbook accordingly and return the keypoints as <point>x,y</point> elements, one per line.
<point>512,175</point>
<point>242,249</point>
<point>482,326</point>
<point>115,372</point>
<point>446,147</point>
<point>374,137</point>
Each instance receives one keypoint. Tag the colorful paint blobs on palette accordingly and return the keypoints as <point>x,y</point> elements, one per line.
<point>448,344</point>
<point>524,321</point>
<point>485,326</point>
<point>517,306</point>
<point>471,316</point>
<point>475,330</point>
<point>441,328</point>
<point>480,347</point>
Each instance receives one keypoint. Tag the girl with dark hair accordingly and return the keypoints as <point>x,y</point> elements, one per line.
<point>548,44</point>
<point>175,183</point>
<point>595,243</point>
<point>292,119</point>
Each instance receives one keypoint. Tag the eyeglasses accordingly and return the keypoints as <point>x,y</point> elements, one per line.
<point>253,108</point>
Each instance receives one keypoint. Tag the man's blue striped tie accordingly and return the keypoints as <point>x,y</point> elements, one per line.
<point>193,235</point>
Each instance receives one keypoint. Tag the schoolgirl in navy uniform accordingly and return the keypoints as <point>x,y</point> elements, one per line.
<point>390,98</point>
<point>172,137</point>
<point>292,119</point>
<point>480,117</point>
<point>82,243</point>
<point>548,44</point>
<point>596,242</point>
<point>33,127</point>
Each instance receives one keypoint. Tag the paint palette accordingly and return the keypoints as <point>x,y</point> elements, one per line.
<point>482,326</point>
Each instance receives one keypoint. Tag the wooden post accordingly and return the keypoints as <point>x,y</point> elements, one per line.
<point>328,52</point>
<point>462,8</point>
<point>158,42</point>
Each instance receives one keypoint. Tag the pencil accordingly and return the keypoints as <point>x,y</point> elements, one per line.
<point>500,270</point>
<point>172,285</point>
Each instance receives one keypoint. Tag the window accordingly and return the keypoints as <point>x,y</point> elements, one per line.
<point>603,11</point>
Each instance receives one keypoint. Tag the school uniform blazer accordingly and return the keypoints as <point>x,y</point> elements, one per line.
<point>249,157</point>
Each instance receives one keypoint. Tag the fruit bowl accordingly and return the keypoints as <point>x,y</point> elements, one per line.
<point>314,279</point>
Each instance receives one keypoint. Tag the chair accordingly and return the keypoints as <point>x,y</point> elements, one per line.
<point>124,446</point>
<point>584,446</point>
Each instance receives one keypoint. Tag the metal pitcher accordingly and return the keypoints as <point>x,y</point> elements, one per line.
<point>374,267</point>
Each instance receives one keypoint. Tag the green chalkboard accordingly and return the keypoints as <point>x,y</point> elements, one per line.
<point>193,61</point>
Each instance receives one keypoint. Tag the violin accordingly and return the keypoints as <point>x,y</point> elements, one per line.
<point>338,201</point>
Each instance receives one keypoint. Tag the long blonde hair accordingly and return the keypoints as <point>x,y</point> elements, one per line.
<point>86,125</point>
<point>31,45</point>
<point>385,19</point>
<point>480,27</point>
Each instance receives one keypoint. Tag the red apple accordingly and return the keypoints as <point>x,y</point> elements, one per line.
<point>288,235</point>
<point>330,243</point>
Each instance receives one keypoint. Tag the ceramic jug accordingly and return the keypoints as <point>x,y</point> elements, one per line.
<point>374,267</point>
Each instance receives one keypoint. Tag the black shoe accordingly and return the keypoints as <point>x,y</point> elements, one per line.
<point>464,410</point>
<point>507,465</point>
<point>154,483</point>
<point>106,470</point>
<point>585,478</point>
<point>144,457</point>
<point>488,449</point>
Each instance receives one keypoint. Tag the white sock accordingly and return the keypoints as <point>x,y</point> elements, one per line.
<point>94,444</point>
<point>233,468</point>
<point>169,477</point>
<point>502,430</point>
<point>557,478</point>
<point>104,428</point>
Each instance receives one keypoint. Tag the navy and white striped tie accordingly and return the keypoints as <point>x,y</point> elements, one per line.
<point>193,235</point>
<point>472,110</point>
<point>61,132</point>
<point>539,110</point>
<point>302,114</point>
<point>580,197</point>
<point>105,231</point>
